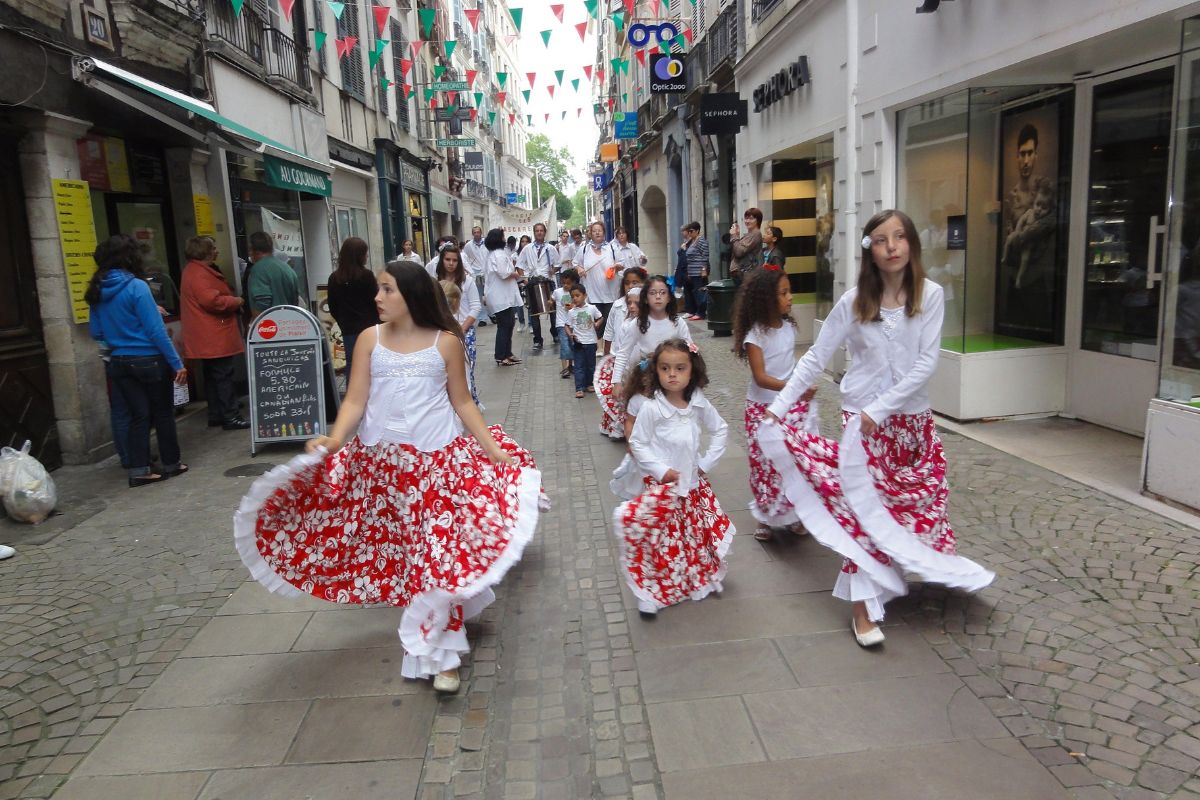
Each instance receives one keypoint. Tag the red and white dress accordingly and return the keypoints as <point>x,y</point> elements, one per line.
<point>612,410</point>
<point>880,500</point>
<point>769,505</point>
<point>410,513</point>
<point>674,536</point>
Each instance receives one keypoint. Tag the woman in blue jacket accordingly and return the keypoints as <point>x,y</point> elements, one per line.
<point>126,319</point>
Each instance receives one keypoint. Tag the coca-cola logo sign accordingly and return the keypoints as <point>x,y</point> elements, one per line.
<point>267,329</point>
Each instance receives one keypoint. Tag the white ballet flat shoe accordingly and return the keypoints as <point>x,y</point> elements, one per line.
<point>868,639</point>
<point>446,683</point>
<point>647,609</point>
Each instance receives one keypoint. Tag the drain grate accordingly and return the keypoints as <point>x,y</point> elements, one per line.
<point>248,470</point>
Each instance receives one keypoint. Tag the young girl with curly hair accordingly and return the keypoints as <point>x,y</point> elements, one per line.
<point>674,535</point>
<point>764,335</point>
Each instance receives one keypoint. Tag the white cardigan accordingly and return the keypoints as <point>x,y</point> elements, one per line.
<point>885,377</point>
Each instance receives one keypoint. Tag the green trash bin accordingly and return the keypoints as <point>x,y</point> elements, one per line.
<point>720,307</point>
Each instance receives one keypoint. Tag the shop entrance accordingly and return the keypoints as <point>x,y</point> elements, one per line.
<point>1115,315</point>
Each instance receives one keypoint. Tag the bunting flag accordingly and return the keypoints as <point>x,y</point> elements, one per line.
<point>546,36</point>
<point>405,67</point>
<point>508,40</point>
<point>581,29</point>
<point>438,72</point>
<point>433,103</point>
<point>478,99</point>
<point>381,17</point>
<point>558,75</point>
<point>564,115</point>
<point>619,19</point>
<point>600,74</point>
<point>492,118</point>
<point>237,7</point>
<point>616,64</point>
<point>450,44</point>
<point>593,7</point>
<point>625,66</point>
<point>629,4</point>
<point>345,45</point>
<point>472,15</point>
<point>681,41</point>
<point>416,48</point>
<point>625,99</point>
<point>516,14</point>
<point>384,83</point>
<point>501,78</point>
<point>664,46</point>
<point>575,84</point>
<point>531,76</point>
<point>471,75</point>
<point>547,119</point>
<point>641,57</point>
<point>550,89</point>
<point>557,8</point>
<point>335,7</point>
<point>474,114</point>
<point>372,60</point>
<point>687,34</point>
<point>501,97</point>
<point>452,98</point>
<point>655,5</point>
<point>578,112</point>
<point>512,118</point>
<point>525,93</point>
<point>409,91</point>
<point>380,46</point>
<point>529,119</point>
<point>587,71</point>
<point>319,40</point>
<point>612,101</point>
<point>427,17</point>
<point>428,94</point>
<point>286,7</point>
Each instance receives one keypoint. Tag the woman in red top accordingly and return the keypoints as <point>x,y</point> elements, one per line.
<point>209,311</point>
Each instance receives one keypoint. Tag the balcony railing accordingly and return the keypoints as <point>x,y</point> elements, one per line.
<point>725,37</point>
<point>761,8</point>
<point>285,59</point>
<point>244,32</point>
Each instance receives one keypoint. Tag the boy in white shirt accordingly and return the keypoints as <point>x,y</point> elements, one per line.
<point>583,319</point>
<point>562,301</point>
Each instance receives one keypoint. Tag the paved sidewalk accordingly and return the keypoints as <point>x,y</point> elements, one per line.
<point>138,661</point>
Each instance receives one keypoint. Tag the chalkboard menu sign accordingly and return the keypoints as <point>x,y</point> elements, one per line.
<point>286,356</point>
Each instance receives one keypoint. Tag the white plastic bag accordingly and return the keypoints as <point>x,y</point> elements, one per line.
<point>26,489</point>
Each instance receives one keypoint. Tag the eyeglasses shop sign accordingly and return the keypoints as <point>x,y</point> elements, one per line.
<point>781,84</point>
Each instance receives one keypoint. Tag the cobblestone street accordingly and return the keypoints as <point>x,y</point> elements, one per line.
<point>139,662</point>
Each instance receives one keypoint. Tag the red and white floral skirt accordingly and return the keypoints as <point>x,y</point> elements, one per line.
<point>673,548</point>
<point>612,410</point>
<point>769,505</point>
<point>879,501</point>
<point>388,524</point>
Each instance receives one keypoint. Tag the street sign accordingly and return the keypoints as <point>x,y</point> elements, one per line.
<point>599,182</point>
<point>625,124</point>
<point>449,86</point>
<point>722,113</point>
<point>473,161</point>
<point>463,142</point>
<point>511,197</point>
<point>666,75</point>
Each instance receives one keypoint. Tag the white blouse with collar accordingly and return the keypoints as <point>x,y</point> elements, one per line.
<point>887,375</point>
<point>665,437</point>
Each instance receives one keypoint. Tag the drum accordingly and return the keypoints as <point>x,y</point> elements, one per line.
<point>539,290</point>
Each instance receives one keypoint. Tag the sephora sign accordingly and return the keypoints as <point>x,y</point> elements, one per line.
<point>781,84</point>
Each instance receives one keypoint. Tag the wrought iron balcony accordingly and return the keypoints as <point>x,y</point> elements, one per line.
<point>243,32</point>
<point>726,38</point>
<point>761,8</point>
<point>287,60</point>
<point>251,36</point>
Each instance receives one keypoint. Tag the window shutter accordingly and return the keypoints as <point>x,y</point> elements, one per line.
<point>399,51</point>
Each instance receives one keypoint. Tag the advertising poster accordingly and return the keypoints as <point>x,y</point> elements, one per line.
<point>77,235</point>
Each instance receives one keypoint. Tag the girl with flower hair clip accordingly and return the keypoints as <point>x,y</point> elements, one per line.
<point>656,322</point>
<point>877,498</point>
<point>674,536</point>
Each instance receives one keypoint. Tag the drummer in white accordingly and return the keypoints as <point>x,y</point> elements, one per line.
<point>539,261</point>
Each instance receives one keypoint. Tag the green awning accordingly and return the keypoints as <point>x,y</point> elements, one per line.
<point>203,109</point>
<point>288,175</point>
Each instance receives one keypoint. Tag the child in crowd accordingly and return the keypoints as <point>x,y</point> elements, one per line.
<point>562,302</point>
<point>773,257</point>
<point>764,334</point>
<point>583,319</point>
<point>656,321</point>
<point>612,423</point>
<point>454,299</point>
<point>879,497</point>
<point>403,509</point>
<point>674,535</point>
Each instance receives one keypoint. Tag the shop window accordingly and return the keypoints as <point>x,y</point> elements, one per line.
<point>351,222</point>
<point>985,175</point>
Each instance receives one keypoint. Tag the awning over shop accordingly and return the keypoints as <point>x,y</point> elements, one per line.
<point>291,169</point>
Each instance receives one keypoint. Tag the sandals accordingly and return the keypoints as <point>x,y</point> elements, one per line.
<point>508,362</point>
<point>146,480</point>
<point>763,534</point>
<point>171,473</point>
<point>565,372</point>
<point>579,395</point>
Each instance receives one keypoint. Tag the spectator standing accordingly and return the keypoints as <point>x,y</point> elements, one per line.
<point>144,363</point>
<point>352,290</point>
<point>503,295</point>
<point>746,248</point>
<point>272,282</point>
<point>209,310</point>
<point>475,261</point>
<point>773,257</point>
<point>694,253</point>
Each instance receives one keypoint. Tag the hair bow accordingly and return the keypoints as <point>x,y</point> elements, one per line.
<point>644,363</point>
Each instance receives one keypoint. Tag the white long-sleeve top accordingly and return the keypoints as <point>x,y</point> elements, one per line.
<point>886,376</point>
<point>638,345</point>
<point>665,437</point>
<point>500,285</point>
<point>616,318</point>
<point>626,255</point>
<point>474,258</point>
<point>538,260</point>
<point>469,304</point>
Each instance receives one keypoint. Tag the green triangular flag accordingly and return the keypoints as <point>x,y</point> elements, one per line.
<point>319,40</point>
<point>615,63</point>
<point>427,17</point>
<point>478,99</point>
<point>384,83</point>
<point>625,65</point>
<point>502,78</point>
<point>450,44</point>
<point>412,92</point>
<point>665,46</point>
<point>337,9</point>
<point>428,95</point>
<point>438,72</point>
<point>516,14</point>
<point>593,7</point>
<point>237,7</point>
<point>546,37</point>
<point>619,18</point>
<point>575,84</point>
<point>492,118</point>
<point>529,119</point>
<point>526,93</point>
<point>625,99</point>
<point>558,75</point>
<point>681,42</point>
<point>372,59</point>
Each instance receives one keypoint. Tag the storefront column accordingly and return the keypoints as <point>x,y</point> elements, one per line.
<point>48,152</point>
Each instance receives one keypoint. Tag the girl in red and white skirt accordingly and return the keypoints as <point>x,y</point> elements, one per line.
<point>612,408</point>
<point>879,496</point>
<point>410,511</point>
<point>765,335</point>
<point>674,536</point>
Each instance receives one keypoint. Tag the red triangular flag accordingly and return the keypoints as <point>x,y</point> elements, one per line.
<point>600,74</point>
<point>501,97</point>
<point>512,117</point>
<point>557,8</point>
<point>587,70</point>
<point>344,46</point>
<point>405,90</point>
<point>473,17</point>
<point>286,7</point>
<point>582,29</point>
<point>416,48</point>
<point>451,97</point>
<point>641,57</point>
<point>532,76</point>
<point>433,102</point>
<point>579,112</point>
<point>629,6</point>
<point>474,114</point>
<point>547,118</point>
<point>471,73</point>
<point>405,67</point>
<point>687,34</point>
<point>381,17</point>
<point>611,102</point>
<point>550,89</point>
